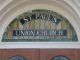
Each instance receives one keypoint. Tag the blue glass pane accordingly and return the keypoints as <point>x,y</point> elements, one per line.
<point>17,58</point>
<point>60,58</point>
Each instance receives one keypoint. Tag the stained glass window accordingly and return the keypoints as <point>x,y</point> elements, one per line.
<point>39,25</point>
<point>60,58</point>
<point>17,58</point>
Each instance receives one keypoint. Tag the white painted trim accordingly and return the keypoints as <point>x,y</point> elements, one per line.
<point>56,45</point>
<point>4,4</point>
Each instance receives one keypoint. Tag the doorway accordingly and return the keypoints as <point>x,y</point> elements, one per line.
<point>39,54</point>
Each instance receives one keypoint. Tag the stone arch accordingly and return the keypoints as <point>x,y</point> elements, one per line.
<point>56,6</point>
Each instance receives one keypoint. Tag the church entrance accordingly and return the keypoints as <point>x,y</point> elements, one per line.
<point>39,54</point>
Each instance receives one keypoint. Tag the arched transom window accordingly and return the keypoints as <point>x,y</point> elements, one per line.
<point>39,25</point>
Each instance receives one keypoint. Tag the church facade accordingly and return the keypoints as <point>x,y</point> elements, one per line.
<point>39,30</point>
